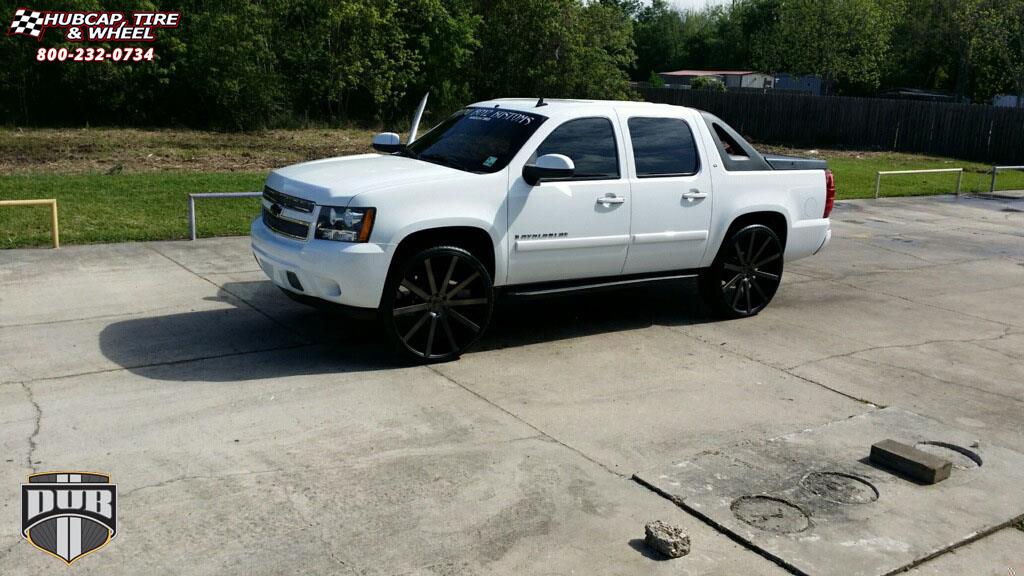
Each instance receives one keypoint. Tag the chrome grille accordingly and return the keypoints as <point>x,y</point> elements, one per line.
<point>286,226</point>
<point>298,204</point>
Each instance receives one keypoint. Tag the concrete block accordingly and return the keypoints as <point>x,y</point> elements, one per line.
<point>916,464</point>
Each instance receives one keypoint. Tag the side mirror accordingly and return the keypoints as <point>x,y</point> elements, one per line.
<point>548,167</point>
<point>387,142</point>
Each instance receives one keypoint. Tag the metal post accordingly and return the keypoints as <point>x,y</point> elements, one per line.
<point>959,180</point>
<point>992,186</point>
<point>52,203</point>
<point>192,205</point>
<point>191,217</point>
<point>56,230</point>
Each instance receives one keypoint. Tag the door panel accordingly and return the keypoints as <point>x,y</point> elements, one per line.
<point>577,227</point>
<point>670,195</point>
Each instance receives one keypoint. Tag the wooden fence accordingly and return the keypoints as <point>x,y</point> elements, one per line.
<point>971,132</point>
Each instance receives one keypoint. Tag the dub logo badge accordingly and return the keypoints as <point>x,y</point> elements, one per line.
<point>68,514</point>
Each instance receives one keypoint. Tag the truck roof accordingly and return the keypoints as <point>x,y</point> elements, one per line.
<point>559,107</point>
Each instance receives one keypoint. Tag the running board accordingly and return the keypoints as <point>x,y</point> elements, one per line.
<point>537,290</point>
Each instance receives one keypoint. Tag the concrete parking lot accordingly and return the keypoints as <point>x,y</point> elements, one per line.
<point>248,434</point>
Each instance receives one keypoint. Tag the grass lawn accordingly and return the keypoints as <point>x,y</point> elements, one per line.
<point>116,185</point>
<point>855,178</point>
<point>126,207</point>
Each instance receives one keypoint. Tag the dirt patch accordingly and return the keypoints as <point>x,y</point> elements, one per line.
<point>771,514</point>
<point>840,488</point>
<point>827,153</point>
<point>109,150</point>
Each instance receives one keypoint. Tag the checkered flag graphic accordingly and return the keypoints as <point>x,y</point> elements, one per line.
<point>27,22</point>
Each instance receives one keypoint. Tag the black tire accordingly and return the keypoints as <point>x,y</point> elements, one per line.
<point>437,304</point>
<point>746,273</point>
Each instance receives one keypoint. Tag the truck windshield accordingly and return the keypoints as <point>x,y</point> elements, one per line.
<point>480,140</point>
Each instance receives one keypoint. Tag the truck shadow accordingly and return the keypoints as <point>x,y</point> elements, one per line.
<point>523,322</point>
<point>251,331</point>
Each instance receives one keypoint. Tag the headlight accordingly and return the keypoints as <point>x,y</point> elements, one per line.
<point>345,224</point>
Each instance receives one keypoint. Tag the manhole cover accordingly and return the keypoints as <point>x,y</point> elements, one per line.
<point>771,514</point>
<point>840,488</point>
<point>961,457</point>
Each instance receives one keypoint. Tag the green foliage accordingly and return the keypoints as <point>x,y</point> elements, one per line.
<point>240,64</point>
<point>845,41</point>
<point>655,80</point>
<point>964,46</point>
<point>561,48</point>
<point>660,42</point>
<point>972,47</point>
<point>707,83</point>
<point>224,69</point>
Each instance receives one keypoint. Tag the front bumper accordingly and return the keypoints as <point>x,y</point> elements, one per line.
<point>350,274</point>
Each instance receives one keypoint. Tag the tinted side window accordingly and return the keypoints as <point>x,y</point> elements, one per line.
<point>663,147</point>
<point>590,143</point>
<point>729,145</point>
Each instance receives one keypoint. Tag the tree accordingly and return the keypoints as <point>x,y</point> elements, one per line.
<point>443,33</point>
<point>707,83</point>
<point>1015,48</point>
<point>845,41</point>
<point>659,39</point>
<point>922,38</point>
<point>562,48</point>
<point>990,38</point>
<point>224,67</point>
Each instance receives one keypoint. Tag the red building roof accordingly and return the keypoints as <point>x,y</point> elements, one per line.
<point>709,73</point>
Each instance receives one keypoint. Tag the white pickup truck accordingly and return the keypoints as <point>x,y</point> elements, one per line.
<point>528,198</point>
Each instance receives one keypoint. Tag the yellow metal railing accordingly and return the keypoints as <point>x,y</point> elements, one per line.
<point>51,202</point>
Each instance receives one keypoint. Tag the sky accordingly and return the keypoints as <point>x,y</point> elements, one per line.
<point>691,4</point>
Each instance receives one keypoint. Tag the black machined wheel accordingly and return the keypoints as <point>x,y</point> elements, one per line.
<point>746,274</point>
<point>439,304</point>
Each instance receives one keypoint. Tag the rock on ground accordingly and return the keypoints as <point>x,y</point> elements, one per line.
<point>667,539</point>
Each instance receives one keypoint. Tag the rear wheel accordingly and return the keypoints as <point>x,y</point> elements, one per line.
<point>746,273</point>
<point>438,304</point>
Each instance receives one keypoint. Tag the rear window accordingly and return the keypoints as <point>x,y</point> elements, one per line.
<point>729,144</point>
<point>663,147</point>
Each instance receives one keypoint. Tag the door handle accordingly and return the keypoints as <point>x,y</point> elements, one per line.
<point>611,200</point>
<point>694,194</point>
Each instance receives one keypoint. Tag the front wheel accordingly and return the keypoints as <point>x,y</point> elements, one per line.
<point>746,273</point>
<point>437,304</point>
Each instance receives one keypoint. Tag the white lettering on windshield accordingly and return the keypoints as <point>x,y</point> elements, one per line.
<point>505,115</point>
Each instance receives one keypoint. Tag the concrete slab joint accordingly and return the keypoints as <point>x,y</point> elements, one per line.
<point>815,503</point>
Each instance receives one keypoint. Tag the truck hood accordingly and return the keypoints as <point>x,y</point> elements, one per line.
<point>336,181</point>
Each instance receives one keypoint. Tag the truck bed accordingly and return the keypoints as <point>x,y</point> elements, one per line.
<point>778,162</point>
